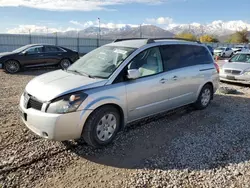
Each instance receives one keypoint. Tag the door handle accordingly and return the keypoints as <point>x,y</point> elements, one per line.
<point>40,55</point>
<point>175,78</point>
<point>163,80</point>
<point>59,54</point>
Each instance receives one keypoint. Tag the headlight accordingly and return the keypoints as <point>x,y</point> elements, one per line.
<point>67,103</point>
<point>247,72</point>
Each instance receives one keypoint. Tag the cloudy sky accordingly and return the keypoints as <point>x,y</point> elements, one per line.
<point>20,16</point>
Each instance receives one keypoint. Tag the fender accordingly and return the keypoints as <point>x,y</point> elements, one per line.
<point>106,100</point>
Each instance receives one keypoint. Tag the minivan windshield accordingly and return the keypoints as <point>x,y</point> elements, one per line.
<point>243,58</point>
<point>102,62</point>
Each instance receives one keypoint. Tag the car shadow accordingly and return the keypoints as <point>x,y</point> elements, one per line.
<point>36,71</point>
<point>182,139</point>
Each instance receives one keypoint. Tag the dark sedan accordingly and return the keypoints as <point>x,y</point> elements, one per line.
<point>35,55</point>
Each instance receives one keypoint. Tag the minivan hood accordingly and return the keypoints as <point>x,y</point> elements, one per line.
<point>236,66</point>
<point>57,83</point>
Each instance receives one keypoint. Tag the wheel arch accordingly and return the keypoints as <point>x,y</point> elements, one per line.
<point>207,83</point>
<point>11,59</point>
<point>118,108</point>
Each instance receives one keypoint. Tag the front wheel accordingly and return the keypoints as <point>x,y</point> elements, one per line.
<point>102,126</point>
<point>12,66</point>
<point>204,98</point>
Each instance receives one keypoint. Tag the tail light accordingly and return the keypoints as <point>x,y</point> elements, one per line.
<point>217,67</point>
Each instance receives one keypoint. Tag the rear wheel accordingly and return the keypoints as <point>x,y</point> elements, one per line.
<point>204,98</point>
<point>102,126</point>
<point>12,66</point>
<point>65,63</point>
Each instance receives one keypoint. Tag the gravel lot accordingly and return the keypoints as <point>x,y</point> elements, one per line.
<point>184,148</point>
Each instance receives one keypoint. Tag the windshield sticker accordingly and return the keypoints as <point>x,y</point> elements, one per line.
<point>119,51</point>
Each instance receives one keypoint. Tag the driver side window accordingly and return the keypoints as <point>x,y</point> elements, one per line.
<point>35,50</point>
<point>148,62</point>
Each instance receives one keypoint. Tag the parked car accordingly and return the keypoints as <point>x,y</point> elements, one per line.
<point>240,48</point>
<point>35,55</point>
<point>237,69</point>
<point>116,84</point>
<point>223,52</point>
<point>211,49</point>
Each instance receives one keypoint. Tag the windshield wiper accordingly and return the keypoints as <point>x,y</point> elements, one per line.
<point>81,73</point>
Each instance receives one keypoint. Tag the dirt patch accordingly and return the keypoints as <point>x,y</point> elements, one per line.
<point>184,148</point>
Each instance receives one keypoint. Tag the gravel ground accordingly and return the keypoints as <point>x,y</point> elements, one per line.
<point>183,148</point>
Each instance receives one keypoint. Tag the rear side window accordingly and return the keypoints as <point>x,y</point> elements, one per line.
<point>52,49</point>
<point>179,56</point>
<point>202,55</point>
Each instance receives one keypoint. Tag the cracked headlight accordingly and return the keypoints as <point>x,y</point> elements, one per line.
<point>67,103</point>
<point>247,72</point>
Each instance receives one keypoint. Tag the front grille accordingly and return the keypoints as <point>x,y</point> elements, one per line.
<point>33,103</point>
<point>234,72</point>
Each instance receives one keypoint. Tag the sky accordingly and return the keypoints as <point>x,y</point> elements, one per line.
<point>20,16</point>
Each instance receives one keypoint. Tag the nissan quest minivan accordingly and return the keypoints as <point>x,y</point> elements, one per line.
<point>116,84</point>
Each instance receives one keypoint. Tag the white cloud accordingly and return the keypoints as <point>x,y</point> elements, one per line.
<point>82,25</point>
<point>160,20</point>
<point>109,25</point>
<point>69,5</point>
<point>22,29</point>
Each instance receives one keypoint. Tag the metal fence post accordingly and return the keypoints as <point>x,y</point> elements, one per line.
<point>30,40</point>
<point>56,39</point>
<point>78,43</point>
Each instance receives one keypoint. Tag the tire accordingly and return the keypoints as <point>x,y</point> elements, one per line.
<point>65,63</point>
<point>204,98</point>
<point>12,66</point>
<point>100,124</point>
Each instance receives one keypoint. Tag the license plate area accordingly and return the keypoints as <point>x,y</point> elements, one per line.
<point>23,115</point>
<point>231,77</point>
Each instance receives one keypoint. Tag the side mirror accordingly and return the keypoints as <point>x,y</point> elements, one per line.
<point>133,74</point>
<point>226,60</point>
<point>25,53</point>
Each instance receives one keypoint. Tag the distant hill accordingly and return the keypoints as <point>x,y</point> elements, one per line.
<point>221,30</point>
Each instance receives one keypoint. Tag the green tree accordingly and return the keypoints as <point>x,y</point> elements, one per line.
<point>189,36</point>
<point>208,38</point>
<point>239,37</point>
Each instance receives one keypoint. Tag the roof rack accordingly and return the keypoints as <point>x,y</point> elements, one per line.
<point>152,40</point>
<point>119,40</point>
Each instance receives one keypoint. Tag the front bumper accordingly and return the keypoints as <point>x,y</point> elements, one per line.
<point>244,79</point>
<point>58,127</point>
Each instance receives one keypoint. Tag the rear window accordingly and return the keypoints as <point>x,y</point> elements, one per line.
<point>179,56</point>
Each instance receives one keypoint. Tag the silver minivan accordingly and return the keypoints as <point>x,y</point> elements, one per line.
<point>116,84</point>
